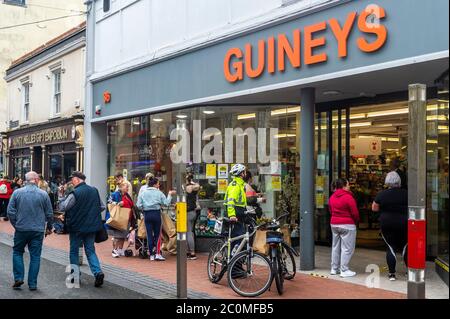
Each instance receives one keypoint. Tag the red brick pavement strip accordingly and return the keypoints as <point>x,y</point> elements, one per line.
<point>302,287</point>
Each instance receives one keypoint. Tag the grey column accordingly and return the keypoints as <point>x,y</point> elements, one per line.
<point>307,177</point>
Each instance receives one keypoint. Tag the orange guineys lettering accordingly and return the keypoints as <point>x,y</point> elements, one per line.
<point>285,49</point>
<point>373,28</point>
<point>341,34</point>
<point>311,43</point>
<point>237,66</point>
<point>271,55</point>
<point>254,73</point>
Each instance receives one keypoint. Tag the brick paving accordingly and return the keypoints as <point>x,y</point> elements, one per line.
<point>158,279</point>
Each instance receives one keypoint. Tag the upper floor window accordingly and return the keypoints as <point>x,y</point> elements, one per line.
<point>15,2</point>
<point>106,5</point>
<point>25,102</point>
<point>56,92</point>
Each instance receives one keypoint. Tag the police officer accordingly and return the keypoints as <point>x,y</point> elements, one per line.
<point>236,201</point>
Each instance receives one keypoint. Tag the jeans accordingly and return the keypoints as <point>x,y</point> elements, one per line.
<point>152,219</point>
<point>88,240</point>
<point>192,216</point>
<point>344,240</point>
<point>33,240</point>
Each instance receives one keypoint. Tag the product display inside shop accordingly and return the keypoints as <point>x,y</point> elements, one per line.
<point>142,145</point>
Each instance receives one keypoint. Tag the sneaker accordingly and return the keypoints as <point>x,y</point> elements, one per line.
<point>348,273</point>
<point>17,284</point>
<point>6,219</point>
<point>392,277</point>
<point>121,252</point>
<point>115,254</point>
<point>159,257</point>
<point>152,257</point>
<point>99,280</point>
<point>32,288</point>
<point>191,257</point>
<point>334,272</point>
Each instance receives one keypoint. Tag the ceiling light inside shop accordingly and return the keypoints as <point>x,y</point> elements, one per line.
<point>136,123</point>
<point>442,127</point>
<point>437,118</point>
<point>182,116</point>
<point>432,141</point>
<point>388,112</point>
<point>360,124</point>
<point>157,119</point>
<point>284,135</point>
<point>208,112</point>
<point>246,116</point>
<point>285,111</point>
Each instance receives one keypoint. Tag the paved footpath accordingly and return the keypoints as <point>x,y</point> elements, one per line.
<point>158,279</point>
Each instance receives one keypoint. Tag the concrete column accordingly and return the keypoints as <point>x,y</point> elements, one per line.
<point>31,158</point>
<point>417,190</point>
<point>44,162</point>
<point>307,177</point>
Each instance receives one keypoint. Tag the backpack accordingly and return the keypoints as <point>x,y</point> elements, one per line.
<point>3,189</point>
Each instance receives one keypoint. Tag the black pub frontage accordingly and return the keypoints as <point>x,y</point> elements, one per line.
<point>53,149</point>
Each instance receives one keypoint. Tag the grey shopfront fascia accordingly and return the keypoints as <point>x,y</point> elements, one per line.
<point>416,50</point>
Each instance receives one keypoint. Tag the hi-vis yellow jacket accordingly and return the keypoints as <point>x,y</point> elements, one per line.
<point>235,196</point>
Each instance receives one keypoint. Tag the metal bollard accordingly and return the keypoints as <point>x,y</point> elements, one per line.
<point>182,249</point>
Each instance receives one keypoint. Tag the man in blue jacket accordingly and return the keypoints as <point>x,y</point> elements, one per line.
<point>83,208</point>
<point>29,210</point>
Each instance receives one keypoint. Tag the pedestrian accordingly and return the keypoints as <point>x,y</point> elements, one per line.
<point>5,195</point>
<point>120,179</point>
<point>193,207</point>
<point>150,201</point>
<point>253,198</point>
<point>83,208</point>
<point>395,166</point>
<point>44,185</point>
<point>16,183</point>
<point>392,203</point>
<point>344,218</point>
<point>29,210</point>
<point>123,199</point>
<point>145,186</point>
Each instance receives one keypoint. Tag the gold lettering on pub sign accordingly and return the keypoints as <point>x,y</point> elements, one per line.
<point>43,137</point>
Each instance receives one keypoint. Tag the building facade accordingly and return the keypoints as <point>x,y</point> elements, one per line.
<point>330,77</point>
<point>45,109</point>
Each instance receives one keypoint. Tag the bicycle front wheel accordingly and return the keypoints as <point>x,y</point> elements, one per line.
<point>217,261</point>
<point>249,274</point>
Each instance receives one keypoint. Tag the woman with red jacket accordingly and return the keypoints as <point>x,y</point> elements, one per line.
<point>344,218</point>
<point>5,194</point>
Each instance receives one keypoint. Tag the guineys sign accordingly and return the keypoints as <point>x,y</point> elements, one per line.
<point>48,136</point>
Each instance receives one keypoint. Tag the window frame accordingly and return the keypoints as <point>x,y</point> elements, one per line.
<point>25,89</point>
<point>56,92</point>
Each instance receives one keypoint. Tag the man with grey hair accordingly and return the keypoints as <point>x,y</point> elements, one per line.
<point>392,203</point>
<point>29,210</point>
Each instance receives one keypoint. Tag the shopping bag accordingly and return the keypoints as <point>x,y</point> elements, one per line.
<point>286,234</point>
<point>169,234</point>
<point>142,231</point>
<point>101,235</point>
<point>259,243</point>
<point>119,217</point>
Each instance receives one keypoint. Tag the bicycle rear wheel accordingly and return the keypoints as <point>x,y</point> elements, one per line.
<point>217,261</point>
<point>249,274</point>
<point>278,274</point>
<point>288,262</point>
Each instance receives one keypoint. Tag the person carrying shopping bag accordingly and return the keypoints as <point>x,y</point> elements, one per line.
<point>344,218</point>
<point>150,202</point>
<point>122,198</point>
<point>193,207</point>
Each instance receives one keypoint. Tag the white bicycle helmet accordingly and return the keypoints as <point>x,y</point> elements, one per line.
<point>237,169</point>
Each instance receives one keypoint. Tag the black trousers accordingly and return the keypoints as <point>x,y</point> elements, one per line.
<point>4,207</point>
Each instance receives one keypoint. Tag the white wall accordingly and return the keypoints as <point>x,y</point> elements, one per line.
<point>41,91</point>
<point>133,29</point>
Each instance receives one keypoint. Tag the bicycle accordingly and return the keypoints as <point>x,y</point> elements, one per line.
<point>279,253</point>
<point>249,272</point>
<point>244,266</point>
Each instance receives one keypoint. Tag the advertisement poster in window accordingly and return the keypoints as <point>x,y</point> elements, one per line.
<point>222,185</point>
<point>222,171</point>
<point>211,171</point>
<point>276,182</point>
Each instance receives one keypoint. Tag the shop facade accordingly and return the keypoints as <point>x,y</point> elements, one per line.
<point>332,85</point>
<point>54,150</point>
